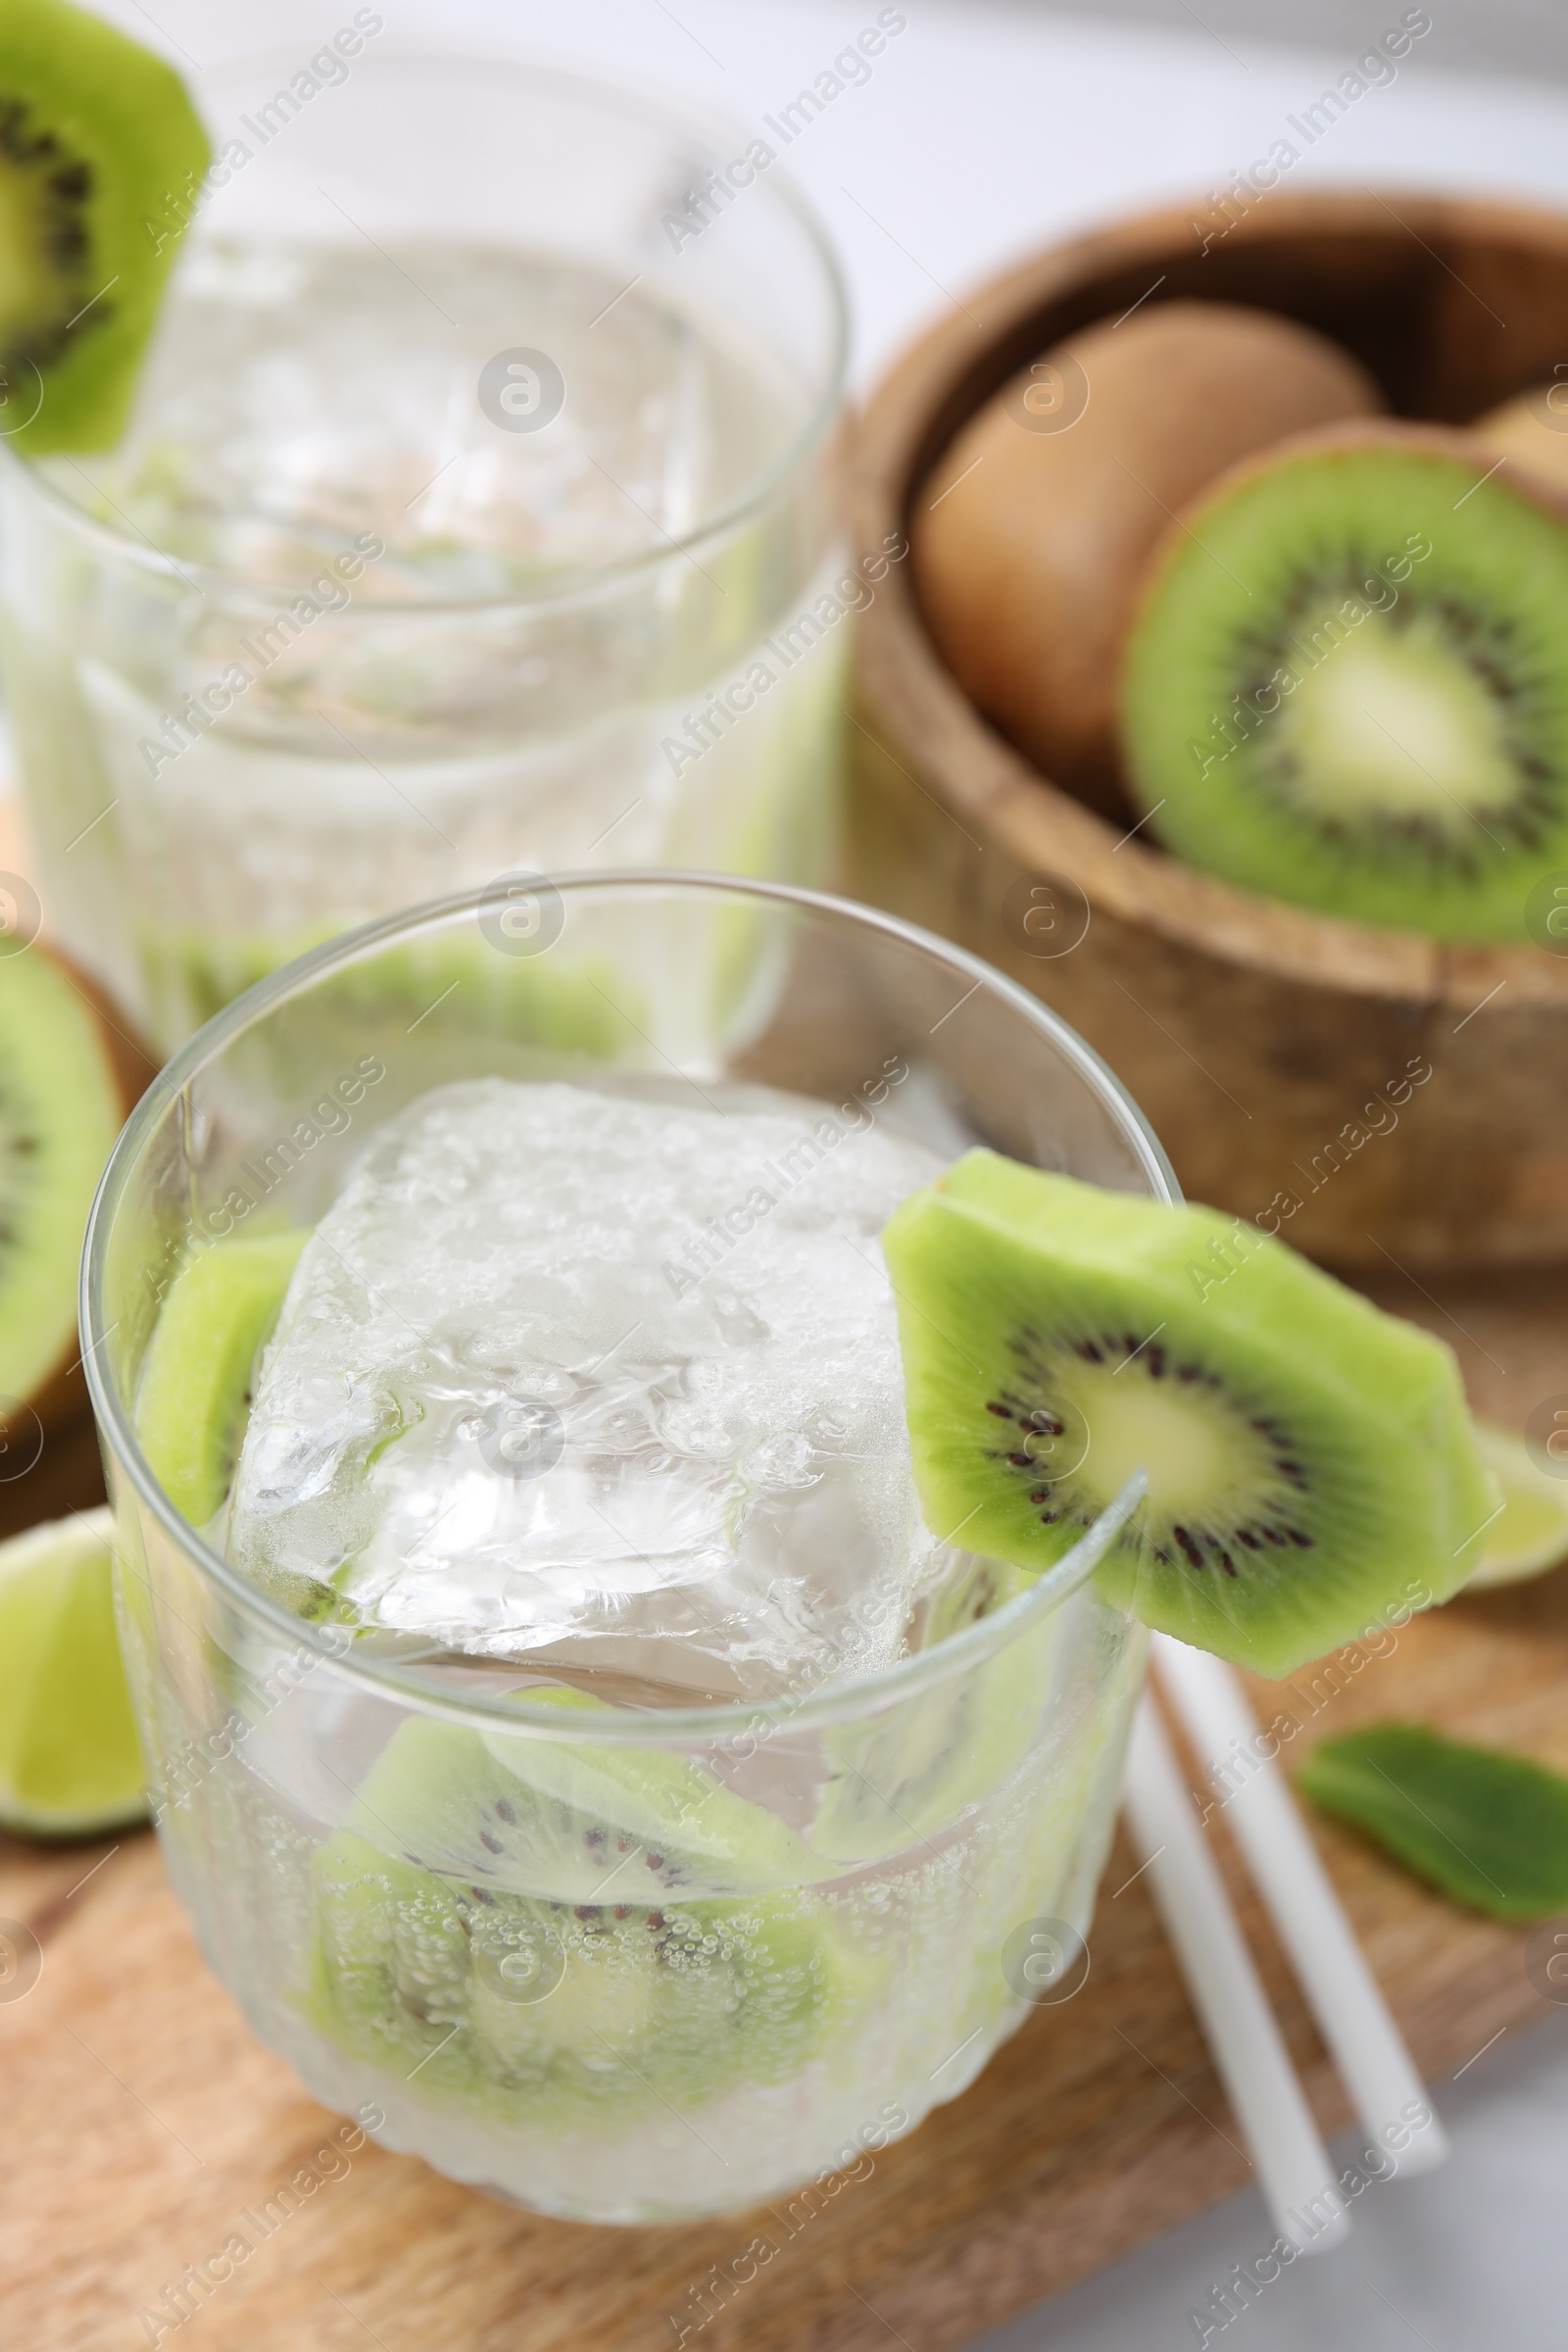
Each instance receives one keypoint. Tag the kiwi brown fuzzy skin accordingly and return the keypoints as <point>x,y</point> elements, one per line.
<point>1516,430</point>
<point>61,1399</point>
<point>1353,433</point>
<point>1028,565</point>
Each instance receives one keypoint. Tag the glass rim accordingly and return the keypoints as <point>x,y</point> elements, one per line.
<point>832,1700</point>
<point>614,92</point>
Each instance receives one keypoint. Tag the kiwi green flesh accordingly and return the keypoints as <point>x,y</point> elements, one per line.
<point>649,2007</point>
<point>1349,688</point>
<point>1311,1462</point>
<point>59,1111</point>
<point>426,1928</point>
<point>197,1378</point>
<point>101,157</point>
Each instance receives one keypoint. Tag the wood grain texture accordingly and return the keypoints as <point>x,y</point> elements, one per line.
<point>1250,1031</point>
<point>142,2120</point>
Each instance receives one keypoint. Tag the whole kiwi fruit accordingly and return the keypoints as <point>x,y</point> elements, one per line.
<point>1031,531</point>
<point>1531,430</point>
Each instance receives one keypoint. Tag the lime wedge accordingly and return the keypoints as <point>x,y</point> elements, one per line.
<point>69,1760</point>
<point>1532,1533</point>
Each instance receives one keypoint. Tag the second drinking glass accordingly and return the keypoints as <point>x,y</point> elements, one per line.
<point>479,515</point>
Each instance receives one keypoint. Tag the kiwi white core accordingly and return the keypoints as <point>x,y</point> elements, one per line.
<point>1393,719</point>
<point>1202,1459</point>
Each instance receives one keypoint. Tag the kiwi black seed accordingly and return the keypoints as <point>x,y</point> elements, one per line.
<point>1053,1425</point>
<point>1347,684</point>
<point>1309,1461</point>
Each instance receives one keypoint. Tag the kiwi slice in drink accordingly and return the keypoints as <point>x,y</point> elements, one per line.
<point>535,1927</point>
<point>69,1075</point>
<point>196,1381</point>
<point>1347,684</point>
<point>1310,1460</point>
<point>577,1822</point>
<point>101,157</point>
<point>584,1009</point>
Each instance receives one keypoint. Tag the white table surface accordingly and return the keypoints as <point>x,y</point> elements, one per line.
<point>983,130</point>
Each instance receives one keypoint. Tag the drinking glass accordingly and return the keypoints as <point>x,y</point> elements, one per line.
<point>479,511</point>
<point>432,1960</point>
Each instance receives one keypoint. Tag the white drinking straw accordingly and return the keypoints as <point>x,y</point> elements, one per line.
<point>1342,1991</point>
<point>1295,2171</point>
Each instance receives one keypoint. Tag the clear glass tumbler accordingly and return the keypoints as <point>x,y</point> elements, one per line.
<point>421,1945</point>
<point>479,511</point>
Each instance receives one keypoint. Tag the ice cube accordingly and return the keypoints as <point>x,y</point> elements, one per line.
<point>564,1368</point>
<point>297,396</point>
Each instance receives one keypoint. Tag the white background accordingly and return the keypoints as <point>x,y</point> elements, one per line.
<point>983,130</point>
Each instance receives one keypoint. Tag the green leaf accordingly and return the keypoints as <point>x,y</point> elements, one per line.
<point>1489,1829</point>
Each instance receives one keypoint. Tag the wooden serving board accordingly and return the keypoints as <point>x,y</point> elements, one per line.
<point>142,2120</point>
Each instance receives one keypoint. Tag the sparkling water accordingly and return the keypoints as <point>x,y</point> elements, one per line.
<point>405,613</point>
<point>607,1380</point>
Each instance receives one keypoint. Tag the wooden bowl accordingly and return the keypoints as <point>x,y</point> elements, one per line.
<point>1374,1094</point>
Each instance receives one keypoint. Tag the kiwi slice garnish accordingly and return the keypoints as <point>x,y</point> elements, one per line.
<point>68,1076</point>
<point>194,1394</point>
<point>101,158</point>
<point>1311,1462</point>
<point>1347,683</point>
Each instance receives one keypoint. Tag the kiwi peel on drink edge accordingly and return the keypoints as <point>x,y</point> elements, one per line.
<point>1310,1461</point>
<point>101,155</point>
<point>1347,684</point>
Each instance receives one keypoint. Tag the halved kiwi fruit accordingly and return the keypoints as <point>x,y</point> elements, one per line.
<point>101,157</point>
<point>1311,1462</point>
<point>1347,683</point>
<point>196,1381</point>
<point>68,1074</point>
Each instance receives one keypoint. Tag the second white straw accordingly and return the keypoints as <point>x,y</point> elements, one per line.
<point>1293,2169</point>
<point>1342,1991</point>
